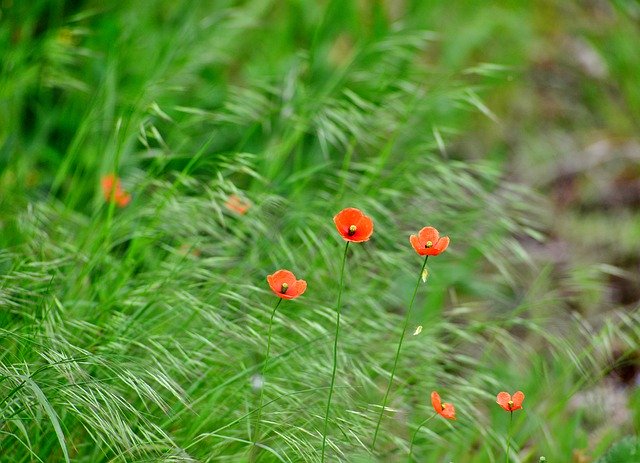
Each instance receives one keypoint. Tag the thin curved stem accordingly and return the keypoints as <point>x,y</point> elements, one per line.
<point>509,437</point>
<point>335,354</point>
<point>256,435</point>
<point>395,361</point>
<point>415,434</point>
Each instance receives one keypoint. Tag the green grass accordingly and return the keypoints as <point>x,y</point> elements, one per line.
<point>138,334</point>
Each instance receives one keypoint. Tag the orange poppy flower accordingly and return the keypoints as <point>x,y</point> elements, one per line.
<point>428,242</point>
<point>446,410</point>
<point>510,404</point>
<point>285,285</point>
<point>353,225</point>
<point>238,205</point>
<point>120,197</point>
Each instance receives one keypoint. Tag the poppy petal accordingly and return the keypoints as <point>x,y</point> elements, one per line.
<point>238,205</point>
<point>415,242</point>
<point>278,278</point>
<point>442,244</point>
<point>122,198</point>
<point>364,229</point>
<point>429,234</point>
<point>518,397</point>
<point>347,217</point>
<point>299,287</point>
<point>107,182</point>
<point>449,411</point>
<point>436,402</point>
<point>503,400</point>
<point>281,277</point>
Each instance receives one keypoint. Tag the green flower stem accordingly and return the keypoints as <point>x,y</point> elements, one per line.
<point>335,353</point>
<point>256,435</point>
<point>395,362</point>
<point>509,436</point>
<point>415,434</point>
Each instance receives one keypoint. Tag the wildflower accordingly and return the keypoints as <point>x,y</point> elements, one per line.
<point>446,410</point>
<point>510,404</point>
<point>284,284</point>
<point>112,190</point>
<point>428,242</point>
<point>238,205</point>
<point>353,225</point>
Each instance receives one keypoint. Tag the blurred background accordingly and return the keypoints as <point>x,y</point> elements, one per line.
<point>240,129</point>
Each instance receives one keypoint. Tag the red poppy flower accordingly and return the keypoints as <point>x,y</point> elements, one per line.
<point>446,410</point>
<point>120,197</point>
<point>510,404</point>
<point>285,285</point>
<point>238,205</point>
<point>428,242</point>
<point>353,225</point>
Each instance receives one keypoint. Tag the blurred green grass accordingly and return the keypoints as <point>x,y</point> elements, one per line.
<point>134,334</point>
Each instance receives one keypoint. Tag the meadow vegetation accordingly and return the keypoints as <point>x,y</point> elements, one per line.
<point>136,329</point>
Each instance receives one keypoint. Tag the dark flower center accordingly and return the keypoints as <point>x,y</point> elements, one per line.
<point>510,404</point>
<point>283,288</point>
<point>352,230</point>
<point>428,244</point>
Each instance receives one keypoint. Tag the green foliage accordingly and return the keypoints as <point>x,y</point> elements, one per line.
<point>138,334</point>
<point>625,450</point>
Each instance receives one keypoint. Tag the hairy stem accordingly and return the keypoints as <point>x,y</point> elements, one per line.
<point>395,362</point>
<point>509,436</point>
<point>415,434</point>
<point>335,353</point>
<point>263,386</point>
